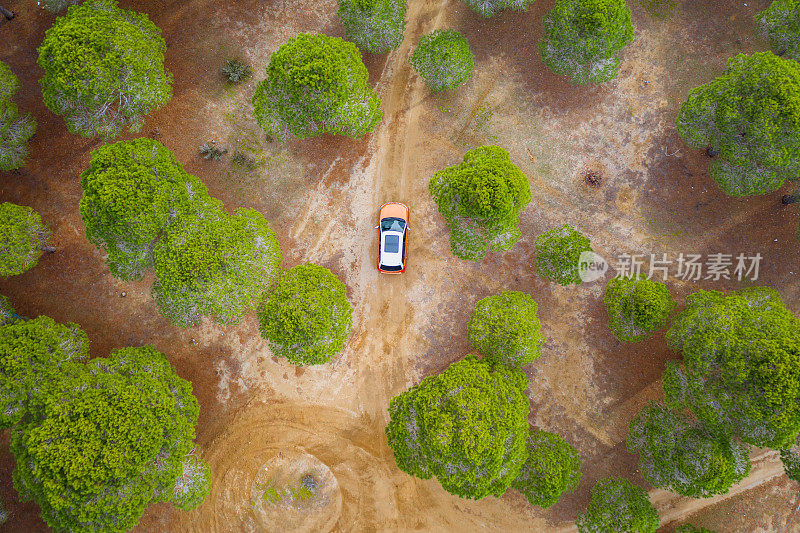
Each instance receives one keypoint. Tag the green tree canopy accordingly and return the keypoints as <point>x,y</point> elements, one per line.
<point>553,467</point>
<point>22,235</point>
<point>467,426</point>
<point>618,505</point>
<point>142,208</point>
<point>96,446</point>
<point>489,8</point>
<point>780,24</point>
<point>306,315</point>
<point>558,253</point>
<point>7,313</point>
<point>505,327</point>
<point>376,26</point>
<point>443,59</point>
<point>751,116</point>
<point>32,354</point>
<point>582,38</point>
<point>481,198</point>
<point>790,457</point>
<point>316,84</point>
<point>637,307</point>
<point>54,6</point>
<point>214,264</point>
<point>741,365</point>
<point>132,191</point>
<point>15,130</point>
<point>684,457</point>
<point>104,68</point>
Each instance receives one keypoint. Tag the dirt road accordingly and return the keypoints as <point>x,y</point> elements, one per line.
<point>322,195</point>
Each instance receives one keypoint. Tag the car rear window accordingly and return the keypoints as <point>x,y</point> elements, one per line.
<point>391,244</point>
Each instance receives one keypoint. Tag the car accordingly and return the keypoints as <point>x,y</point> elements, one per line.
<point>392,231</point>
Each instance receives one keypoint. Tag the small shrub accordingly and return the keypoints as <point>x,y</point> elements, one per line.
<point>211,151</point>
<point>54,6</point>
<point>243,160</point>
<point>236,71</point>
<point>489,8</point>
<point>310,482</point>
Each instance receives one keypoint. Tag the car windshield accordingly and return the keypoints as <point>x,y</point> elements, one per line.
<point>391,244</point>
<point>393,224</point>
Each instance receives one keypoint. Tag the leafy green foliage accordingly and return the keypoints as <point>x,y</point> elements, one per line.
<point>790,457</point>
<point>132,191</point>
<point>558,253</point>
<point>751,116</point>
<point>660,9</point>
<point>32,354</point>
<point>306,315</point>
<point>315,85</point>
<point>211,151</point>
<point>780,24</point>
<point>7,313</point>
<point>481,199</point>
<point>192,484</point>
<point>214,264</point>
<point>582,38</point>
<point>146,211</point>
<point>467,426</point>
<point>553,467</point>
<point>689,528</point>
<point>741,365</point>
<point>683,457</point>
<point>236,71</point>
<point>489,8</point>
<point>376,26</point>
<point>618,505</point>
<point>443,59</point>
<point>96,446</point>
<point>54,6</point>
<point>505,327</point>
<point>104,69</point>
<point>637,307</point>
<point>15,130</point>
<point>21,236</point>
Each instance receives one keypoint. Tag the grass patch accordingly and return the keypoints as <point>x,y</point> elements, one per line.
<point>659,9</point>
<point>274,495</point>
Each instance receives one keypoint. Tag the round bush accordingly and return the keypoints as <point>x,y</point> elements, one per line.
<point>481,199</point>
<point>558,254</point>
<point>467,426</point>
<point>618,505</point>
<point>315,85</point>
<point>103,68</point>
<point>443,59</point>
<point>553,467</point>
<point>637,307</point>
<point>505,327</point>
<point>376,26</point>
<point>306,315</point>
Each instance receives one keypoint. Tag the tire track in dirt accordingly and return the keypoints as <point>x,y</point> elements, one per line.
<point>353,446</point>
<point>674,508</point>
<point>388,345</point>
